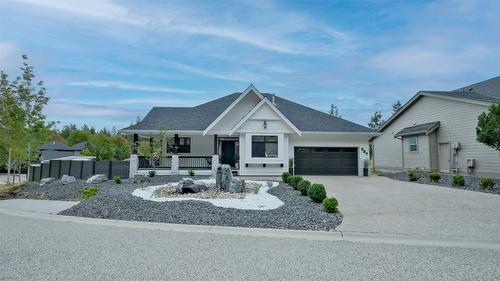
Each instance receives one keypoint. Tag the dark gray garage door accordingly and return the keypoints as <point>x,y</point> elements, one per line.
<point>326,161</point>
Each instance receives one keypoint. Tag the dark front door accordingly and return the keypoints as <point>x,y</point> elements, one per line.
<point>228,153</point>
<point>326,161</point>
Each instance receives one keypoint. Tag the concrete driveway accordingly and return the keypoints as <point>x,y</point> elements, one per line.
<point>385,206</point>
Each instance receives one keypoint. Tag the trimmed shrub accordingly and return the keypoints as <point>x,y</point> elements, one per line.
<point>89,192</point>
<point>434,177</point>
<point>304,186</point>
<point>286,177</point>
<point>117,179</point>
<point>151,174</point>
<point>330,205</point>
<point>458,180</point>
<point>191,173</point>
<point>294,181</point>
<point>487,183</point>
<point>413,175</point>
<point>317,192</point>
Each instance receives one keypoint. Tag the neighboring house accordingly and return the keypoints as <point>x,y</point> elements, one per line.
<point>256,134</point>
<point>436,130</point>
<point>56,149</point>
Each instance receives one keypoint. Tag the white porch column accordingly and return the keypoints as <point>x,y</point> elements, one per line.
<point>175,164</point>
<point>134,166</point>
<point>215,164</point>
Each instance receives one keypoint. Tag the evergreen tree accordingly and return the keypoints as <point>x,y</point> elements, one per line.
<point>376,120</point>
<point>396,106</point>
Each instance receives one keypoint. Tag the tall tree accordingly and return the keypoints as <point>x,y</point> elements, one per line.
<point>488,127</point>
<point>376,120</point>
<point>32,98</point>
<point>334,111</point>
<point>12,120</point>
<point>396,106</point>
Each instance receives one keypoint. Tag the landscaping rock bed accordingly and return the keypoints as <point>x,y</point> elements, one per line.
<point>116,202</point>
<point>471,182</point>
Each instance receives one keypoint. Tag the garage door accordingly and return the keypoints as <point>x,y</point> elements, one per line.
<point>326,161</point>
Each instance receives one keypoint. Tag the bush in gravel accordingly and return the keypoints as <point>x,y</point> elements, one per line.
<point>330,205</point>
<point>191,173</point>
<point>317,192</point>
<point>286,177</point>
<point>458,180</point>
<point>304,186</point>
<point>151,174</point>
<point>486,183</point>
<point>294,181</point>
<point>434,177</point>
<point>89,192</point>
<point>413,175</point>
<point>117,179</point>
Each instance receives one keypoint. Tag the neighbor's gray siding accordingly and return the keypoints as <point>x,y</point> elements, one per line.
<point>458,122</point>
<point>417,159</point>
<point>434,151</point>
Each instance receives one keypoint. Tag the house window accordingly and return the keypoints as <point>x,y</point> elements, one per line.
<point>184,145</point>
<point>413,141</point>
<point>265,146</point>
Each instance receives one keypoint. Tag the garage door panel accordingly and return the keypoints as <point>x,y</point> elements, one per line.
<point>326,161</point>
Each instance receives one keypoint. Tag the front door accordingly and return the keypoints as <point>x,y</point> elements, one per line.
<point>228,153</point>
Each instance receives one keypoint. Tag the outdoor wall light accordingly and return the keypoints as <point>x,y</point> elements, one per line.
<point>265,125</point>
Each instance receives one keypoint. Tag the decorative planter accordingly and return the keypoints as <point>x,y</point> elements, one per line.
<point>365,172</point>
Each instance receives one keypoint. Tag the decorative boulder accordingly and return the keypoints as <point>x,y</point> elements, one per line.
<point>224,177</point>
<point>141,179</point>
<point>187,185</point>
<point>67,179</point>
<point>99,178</point>
<point>45,181</point>
<point>236,185</point>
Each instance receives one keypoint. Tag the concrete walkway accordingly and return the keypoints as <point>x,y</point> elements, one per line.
<point>380,205</point>
<point>38,206</point>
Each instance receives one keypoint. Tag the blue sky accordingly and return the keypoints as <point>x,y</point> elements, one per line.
<point>106,62</point>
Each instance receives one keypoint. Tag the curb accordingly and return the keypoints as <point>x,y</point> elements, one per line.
<point>338,236</point>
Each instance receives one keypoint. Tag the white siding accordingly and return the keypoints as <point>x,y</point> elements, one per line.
<point>458,122</point>
<point>255,164</point>
<point>255,123</point>
<point>242,108</point>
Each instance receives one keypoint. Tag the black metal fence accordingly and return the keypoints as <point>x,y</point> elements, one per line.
<point>79,169</point>
<point>185,162</point>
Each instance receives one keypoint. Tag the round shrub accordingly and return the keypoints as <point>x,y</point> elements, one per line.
<point>304,186</point>
<point>330,205</point>
<point>413,175</point>
<point>117,179</point>
<point>286,177</point>
<point>435,177</point>
<point>458,180</point>
<point>152,174</point>
<point>294,181</point>
<point>317,192</point>
<point>487,183</point>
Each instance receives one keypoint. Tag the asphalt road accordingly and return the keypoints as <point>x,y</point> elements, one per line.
<point>39,249</point>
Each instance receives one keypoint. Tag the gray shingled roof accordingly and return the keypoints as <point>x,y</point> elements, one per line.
<point>488,90</point>
<point>421,129</point>
<point>55,145</point>
<point>201,116</point>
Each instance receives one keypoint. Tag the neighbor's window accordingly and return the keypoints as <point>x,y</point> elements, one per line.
<point>265,146</point>
<point>413,141</point>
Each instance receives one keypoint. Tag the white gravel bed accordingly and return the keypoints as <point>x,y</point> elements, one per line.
<point>252,201</point>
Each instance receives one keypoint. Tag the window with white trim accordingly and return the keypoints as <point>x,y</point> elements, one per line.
<point>413,142</point>
<point>265,146</point>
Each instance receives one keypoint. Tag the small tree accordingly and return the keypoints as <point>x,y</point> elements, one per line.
<point>488,127</point>
<point>396,106</point>
<point>376,120</point>
<point>334,111</point>
<point>153,149</point>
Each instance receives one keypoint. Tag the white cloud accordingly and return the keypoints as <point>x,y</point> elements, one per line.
<point>10,56</point>
<point>56,109</point>
<point>159,102</point>
<point>129,86</point>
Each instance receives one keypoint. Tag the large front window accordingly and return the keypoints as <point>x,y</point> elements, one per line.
<point>265,146</point>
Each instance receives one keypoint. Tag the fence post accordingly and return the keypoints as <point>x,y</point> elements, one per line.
<point>215,164</point>
<point>175,164</point>
<point>134,166</point>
